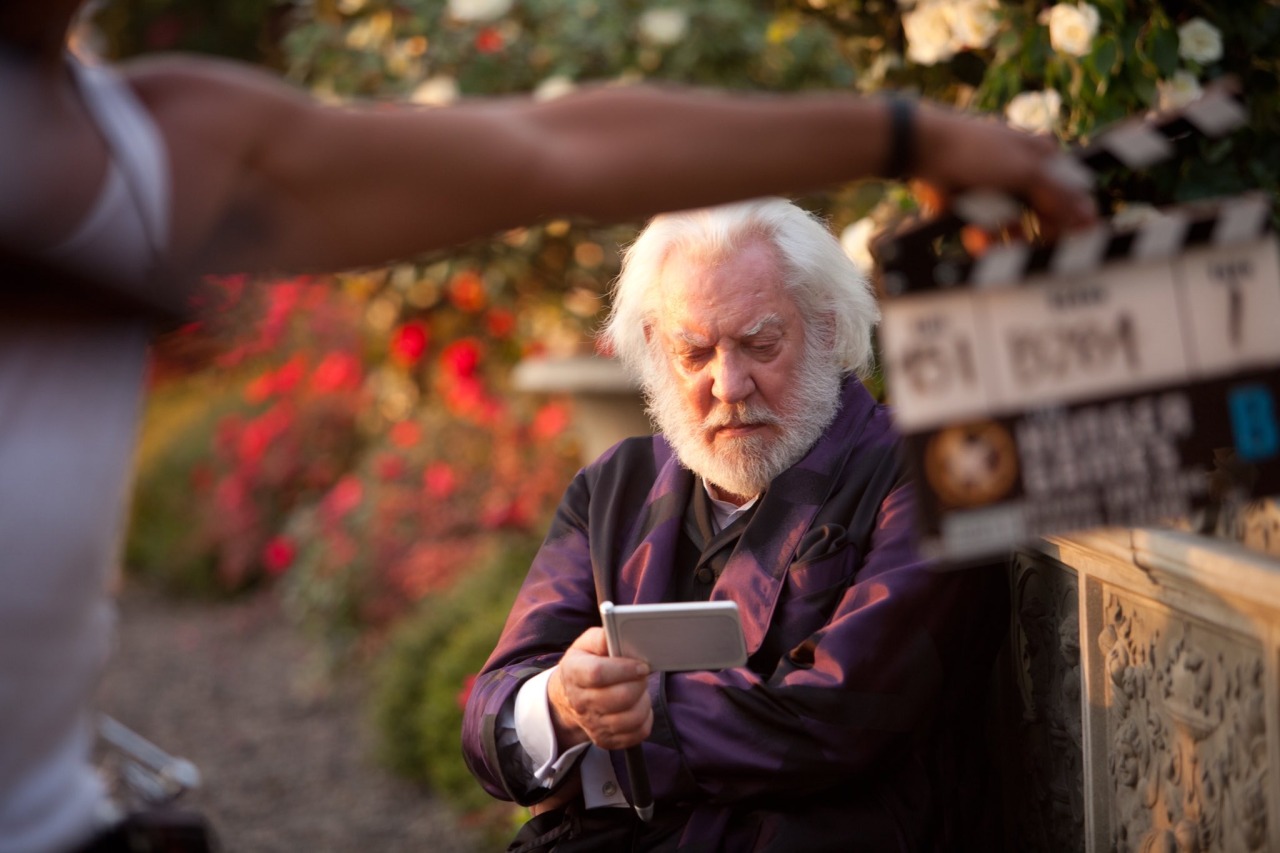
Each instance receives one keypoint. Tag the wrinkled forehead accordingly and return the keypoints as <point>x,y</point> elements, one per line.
<point>740,287</point>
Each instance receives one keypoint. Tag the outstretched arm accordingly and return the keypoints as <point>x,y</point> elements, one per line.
<point>267,178</point>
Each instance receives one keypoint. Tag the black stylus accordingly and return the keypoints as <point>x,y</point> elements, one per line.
<point>638,775</point>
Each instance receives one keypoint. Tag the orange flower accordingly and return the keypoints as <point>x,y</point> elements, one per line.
<point>466,290</point>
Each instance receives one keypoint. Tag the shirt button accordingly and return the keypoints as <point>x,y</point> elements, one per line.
<point>609,788</point>
<point>704,575</point>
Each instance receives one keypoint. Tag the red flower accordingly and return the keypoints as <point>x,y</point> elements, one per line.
<point>549,422</point>
<point>337,371</point>
<point>466,290</point>
<point>290,374</point>
<point>231,497</point>
<point>465,396</point>
<point>408,343</point>
<point>405,434</point>
<point>439,480</point>
<point>461,358</point>
<point>500,322</point>
<point>262,432</point>
<point>489,40</point>
<point>278,555</point>
<point>504,513</point>
<point>390,466</point>
<point>344,497</point>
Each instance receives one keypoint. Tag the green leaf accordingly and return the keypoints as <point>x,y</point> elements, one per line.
<point>1164,50</point>
<point>1102,61</point>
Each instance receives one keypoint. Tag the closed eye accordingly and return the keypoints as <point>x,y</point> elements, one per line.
<point>691,358</point>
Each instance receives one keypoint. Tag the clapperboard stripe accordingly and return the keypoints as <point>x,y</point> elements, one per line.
<point>1220,223</point>
<point>1137,144</point>
<point>909,261</point>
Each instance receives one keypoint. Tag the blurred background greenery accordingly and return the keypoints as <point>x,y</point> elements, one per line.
<point>356,438</point>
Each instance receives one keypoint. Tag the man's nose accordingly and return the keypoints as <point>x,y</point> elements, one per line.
<point>731,378</point>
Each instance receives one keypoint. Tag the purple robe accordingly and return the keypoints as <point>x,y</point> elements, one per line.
<point>856,715</point>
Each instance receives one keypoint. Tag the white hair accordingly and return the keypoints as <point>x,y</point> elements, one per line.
<point>820,277</point>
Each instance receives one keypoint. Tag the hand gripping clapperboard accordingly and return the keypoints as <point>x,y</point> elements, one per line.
<point>1121,376</point>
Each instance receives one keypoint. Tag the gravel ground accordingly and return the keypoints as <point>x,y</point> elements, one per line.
<point>286,760</point>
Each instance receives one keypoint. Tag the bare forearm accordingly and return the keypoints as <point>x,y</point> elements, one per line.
<point>416,180</point>
<point>640,151</point>
<point>324,188</point>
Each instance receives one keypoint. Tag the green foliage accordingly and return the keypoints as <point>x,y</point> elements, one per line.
<point>239,29</point>
<point>424,672</point>
<point>180,426</point>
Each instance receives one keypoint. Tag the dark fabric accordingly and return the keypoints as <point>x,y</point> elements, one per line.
<point>702,553</point>
<point>572,829</point>
<point>864,659</point>
<point>157,831</point>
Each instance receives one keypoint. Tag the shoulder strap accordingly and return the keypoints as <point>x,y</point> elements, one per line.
<point>136,146</point>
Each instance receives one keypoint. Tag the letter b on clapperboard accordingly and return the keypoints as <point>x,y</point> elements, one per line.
<point>1119,377</point>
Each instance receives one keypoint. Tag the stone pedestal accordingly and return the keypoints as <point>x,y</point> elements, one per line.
<point>606,403</point>
<point>1141,695</point>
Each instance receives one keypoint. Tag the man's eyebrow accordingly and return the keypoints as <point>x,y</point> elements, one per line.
<point>693,339</point>
<point>772,320</point>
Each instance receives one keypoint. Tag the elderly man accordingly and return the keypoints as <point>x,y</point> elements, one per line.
<point>775,483</point>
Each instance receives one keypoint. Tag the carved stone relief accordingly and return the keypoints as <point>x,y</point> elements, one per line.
<point>1253,523</point>
<point>1045,647</point>
<point>1185,732</point>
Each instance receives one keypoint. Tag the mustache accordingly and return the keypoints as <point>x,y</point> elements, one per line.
<point>741,415</point>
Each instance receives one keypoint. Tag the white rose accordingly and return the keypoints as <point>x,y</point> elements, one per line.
<point>1072,28</point>
<point>663,26</point>
<point>479,10</point>
<point>974,22</point>
<point>436,92</point>
<point>1199,41</point>
<point>1178,91</point>
<point>553,87</point>
<point>929,36</point>
<point>1036,112</point>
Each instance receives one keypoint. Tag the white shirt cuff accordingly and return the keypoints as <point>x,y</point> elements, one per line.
<point>537,735</point>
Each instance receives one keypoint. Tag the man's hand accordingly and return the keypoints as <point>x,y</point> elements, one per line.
<point>956,152</point>
<point>598,698</point>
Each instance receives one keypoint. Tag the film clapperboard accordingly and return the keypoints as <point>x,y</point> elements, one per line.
<point>1121,376</point>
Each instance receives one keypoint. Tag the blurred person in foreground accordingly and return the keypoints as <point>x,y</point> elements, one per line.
<point>775,482</point>
<point>119,186</point>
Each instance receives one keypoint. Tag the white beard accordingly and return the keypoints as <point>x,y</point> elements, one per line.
<point>745,466</point>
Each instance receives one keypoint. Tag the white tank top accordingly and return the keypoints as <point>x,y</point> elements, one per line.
<point>70,393</point>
